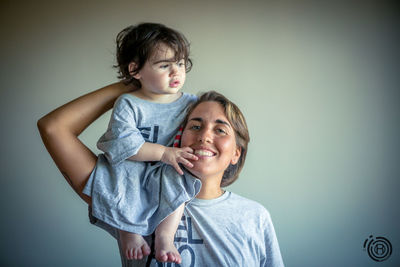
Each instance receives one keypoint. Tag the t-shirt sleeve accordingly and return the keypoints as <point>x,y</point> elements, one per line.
<point>273,257</point>
<point>122,138</point>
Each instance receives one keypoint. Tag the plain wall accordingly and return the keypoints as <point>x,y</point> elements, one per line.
<point>317,82</point>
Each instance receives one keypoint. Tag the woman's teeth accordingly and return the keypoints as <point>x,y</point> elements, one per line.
<point>204,153</point>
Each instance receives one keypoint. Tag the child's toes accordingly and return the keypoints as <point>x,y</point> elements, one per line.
<point>178,259</point>
<point>171,257</point>
<point>135,254</point>
<point>146,250</point>
<point>139,254</point>
<point>162,257</point>
<point>128,254</point>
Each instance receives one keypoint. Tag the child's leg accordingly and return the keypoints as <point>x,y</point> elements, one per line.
<point>165,233</point>
<point>133,245</point>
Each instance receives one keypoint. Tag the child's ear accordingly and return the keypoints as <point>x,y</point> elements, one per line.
<point>132,70</point>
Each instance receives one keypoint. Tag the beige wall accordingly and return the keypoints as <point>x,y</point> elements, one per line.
<point>316,83</point>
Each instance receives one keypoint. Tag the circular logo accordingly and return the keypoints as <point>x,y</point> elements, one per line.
<point>378,248</point>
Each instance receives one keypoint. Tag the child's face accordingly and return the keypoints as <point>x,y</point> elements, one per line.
<point>161,74</point>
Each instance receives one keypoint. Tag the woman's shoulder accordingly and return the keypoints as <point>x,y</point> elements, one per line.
<point>248,206</point>
<point>245,201</point>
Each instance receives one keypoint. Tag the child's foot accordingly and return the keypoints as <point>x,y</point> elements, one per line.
<point>133,245</point>
<point>166,251</point>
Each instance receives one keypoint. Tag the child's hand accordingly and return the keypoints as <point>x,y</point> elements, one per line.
<point>175,155</point>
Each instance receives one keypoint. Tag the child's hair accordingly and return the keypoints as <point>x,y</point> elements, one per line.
<point>238,122</point>
<point>136,43</point>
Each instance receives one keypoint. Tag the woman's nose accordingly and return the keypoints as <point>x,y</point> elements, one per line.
<point>205,136</point>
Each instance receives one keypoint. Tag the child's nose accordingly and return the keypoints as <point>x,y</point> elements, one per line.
<point>174,70</point>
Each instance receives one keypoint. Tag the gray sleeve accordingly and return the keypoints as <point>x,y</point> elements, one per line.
<point>273,256</point>
<point>122,138</point>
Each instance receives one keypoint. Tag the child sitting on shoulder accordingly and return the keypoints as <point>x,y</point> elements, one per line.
<point>155,59</point>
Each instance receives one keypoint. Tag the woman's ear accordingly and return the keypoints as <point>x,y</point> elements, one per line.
<point>236,155</point>
<point>132,70</point>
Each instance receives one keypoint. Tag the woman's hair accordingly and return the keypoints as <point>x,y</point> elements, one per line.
<point>136,43</point>
<point>238,123</point>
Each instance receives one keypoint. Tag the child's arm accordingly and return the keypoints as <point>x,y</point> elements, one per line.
<point>169,155</point>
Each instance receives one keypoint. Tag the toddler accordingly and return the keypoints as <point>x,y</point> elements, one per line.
<point>155,59</point>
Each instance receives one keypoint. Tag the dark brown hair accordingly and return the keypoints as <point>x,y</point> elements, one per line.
<point>136,43</point>
<point>238,123</point>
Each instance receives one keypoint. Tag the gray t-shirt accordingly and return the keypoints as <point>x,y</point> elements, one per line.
<point>123,195</point>
<point>227,231</point>
<point>135,121</point>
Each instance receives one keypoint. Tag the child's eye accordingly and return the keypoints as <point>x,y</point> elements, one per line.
<point>164,66</point>
<point>181,64</point>
<point>194,127</point>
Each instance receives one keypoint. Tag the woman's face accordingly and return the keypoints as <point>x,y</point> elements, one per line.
<point>212,138</point>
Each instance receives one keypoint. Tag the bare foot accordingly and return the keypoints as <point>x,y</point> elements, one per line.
<point>165,250</point>
<point>133,245</point>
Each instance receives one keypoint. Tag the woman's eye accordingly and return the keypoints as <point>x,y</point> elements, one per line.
<point>195,127</point>
<point>219,130</point>
<point>164,66</point>
<point>181,64</point>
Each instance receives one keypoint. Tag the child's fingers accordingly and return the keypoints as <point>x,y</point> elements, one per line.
<point>177,168</point>
<point>187,149</point>
<point>186,163</point>
<point>187,155</point>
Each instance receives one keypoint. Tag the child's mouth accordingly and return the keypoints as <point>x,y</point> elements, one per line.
<point>174,84</point>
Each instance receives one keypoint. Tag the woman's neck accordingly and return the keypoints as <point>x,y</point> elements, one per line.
<point>210,190</point>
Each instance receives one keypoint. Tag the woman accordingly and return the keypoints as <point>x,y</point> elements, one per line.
<point>218,228</point>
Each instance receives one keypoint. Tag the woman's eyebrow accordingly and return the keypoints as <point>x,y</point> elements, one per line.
<point>196,119</point>
<point>223,122</point>
<point>219,121</point>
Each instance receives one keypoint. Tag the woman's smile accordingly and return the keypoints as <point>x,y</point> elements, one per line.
<point>203,152</point>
